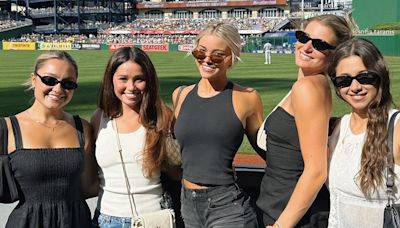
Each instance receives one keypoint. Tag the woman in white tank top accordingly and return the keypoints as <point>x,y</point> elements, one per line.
<point>130,106</point>
<point>358,147</point>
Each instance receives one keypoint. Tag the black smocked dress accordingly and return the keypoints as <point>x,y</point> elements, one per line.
<point>48,182</point>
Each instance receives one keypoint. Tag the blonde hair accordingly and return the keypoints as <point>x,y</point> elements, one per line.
<point>228,33</point>
<point>42,58</point>
<point>342,27</point>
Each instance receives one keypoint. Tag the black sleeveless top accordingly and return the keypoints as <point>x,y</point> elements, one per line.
<point>49,185</point>
<point>210,133</point>
<point>284,167</point>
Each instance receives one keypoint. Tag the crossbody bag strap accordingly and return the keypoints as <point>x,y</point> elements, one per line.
<point>178,95</point>
<point>390,160</point>
<point>3,136</point>
<point>128,186</point>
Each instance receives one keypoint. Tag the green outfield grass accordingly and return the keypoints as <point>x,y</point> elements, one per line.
<point>272,81</point>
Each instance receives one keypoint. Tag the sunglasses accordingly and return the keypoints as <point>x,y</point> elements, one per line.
<point>364,78</point>
<point>214,57</point>
<point>317,44</point>
<point>52,81</point>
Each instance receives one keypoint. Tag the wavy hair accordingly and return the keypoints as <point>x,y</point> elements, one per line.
<point>154,115</point>
<point>374,152</point>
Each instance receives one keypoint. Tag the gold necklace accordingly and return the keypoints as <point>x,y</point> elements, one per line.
<point>57,124</point>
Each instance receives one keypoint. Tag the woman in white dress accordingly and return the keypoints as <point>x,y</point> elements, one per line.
<point>358,148</point>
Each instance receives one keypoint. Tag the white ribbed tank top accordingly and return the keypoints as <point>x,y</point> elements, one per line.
<point>113,198</point>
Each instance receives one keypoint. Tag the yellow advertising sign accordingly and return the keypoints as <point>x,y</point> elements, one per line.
<point>54,46</point>
<point>19,46</point>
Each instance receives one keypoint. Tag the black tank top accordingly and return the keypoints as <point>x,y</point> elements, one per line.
<point>284,167</point>
<point>210,133</point>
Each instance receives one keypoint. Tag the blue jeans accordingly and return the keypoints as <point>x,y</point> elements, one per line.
<point>108,221</point>
<point>217,207</point>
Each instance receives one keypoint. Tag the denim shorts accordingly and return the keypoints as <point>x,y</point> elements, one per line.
<point>107,221</point>
<point>217,207</point>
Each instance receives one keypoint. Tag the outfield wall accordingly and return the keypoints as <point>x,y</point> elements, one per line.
<point>66,46</point>
<point>389,45</point>
<point>368,13</point>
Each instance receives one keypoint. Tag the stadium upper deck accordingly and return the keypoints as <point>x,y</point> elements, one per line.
<point>213,9</point>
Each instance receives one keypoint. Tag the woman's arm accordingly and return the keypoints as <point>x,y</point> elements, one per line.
<point>89,177</point>
<point>311,105</point>
<point>254,120</point>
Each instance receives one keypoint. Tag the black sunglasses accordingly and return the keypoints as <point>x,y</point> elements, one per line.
<point>317,44</point>
<point>52,81</point>
<point>364,78</point>
<point>214,57</point>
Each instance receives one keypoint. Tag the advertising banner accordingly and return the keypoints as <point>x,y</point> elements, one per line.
<point>90,47</point>
<point>155,47</point>
<point>54,46</point>
<point>185,47</point>
<point>115,46</point>
<point>76,46</point>
<point>19,46</point>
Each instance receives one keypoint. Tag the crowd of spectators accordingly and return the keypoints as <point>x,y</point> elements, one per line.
<point>66,10</point>
<point>257,24</point>
<point>6,22</point>
<point>75,26</point>
<point>109,38</point>
<point>168,31</point>
<point>117,38</point>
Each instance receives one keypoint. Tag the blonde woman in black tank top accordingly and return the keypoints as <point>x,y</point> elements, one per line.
<point>212,117</point>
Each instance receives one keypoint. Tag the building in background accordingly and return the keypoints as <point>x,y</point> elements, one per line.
<point>73,16</point>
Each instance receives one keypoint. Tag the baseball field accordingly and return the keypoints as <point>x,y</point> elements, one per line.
<point>173,69</point>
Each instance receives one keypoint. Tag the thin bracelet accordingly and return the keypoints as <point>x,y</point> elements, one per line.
<point>277,224</point>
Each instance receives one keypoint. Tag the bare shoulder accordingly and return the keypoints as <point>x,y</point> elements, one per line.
<point>95,119</point>
<point>181,92</point>
<point>86,125</point>
<point>397,125</point>
<point>311,88</point>
<point>247,92</point>
<point>183,89</point>
<point>96,116</point>
<point>246,99</point>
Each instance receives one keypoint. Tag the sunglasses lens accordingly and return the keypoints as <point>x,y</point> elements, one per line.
<point>342,81</point>
<point>302,37</point>
<point>69,85</point>
<point>217,58</point>
<point>367,78</point>
<point>199,54</point>
<point>320,45</point>
<point>49,81</point>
